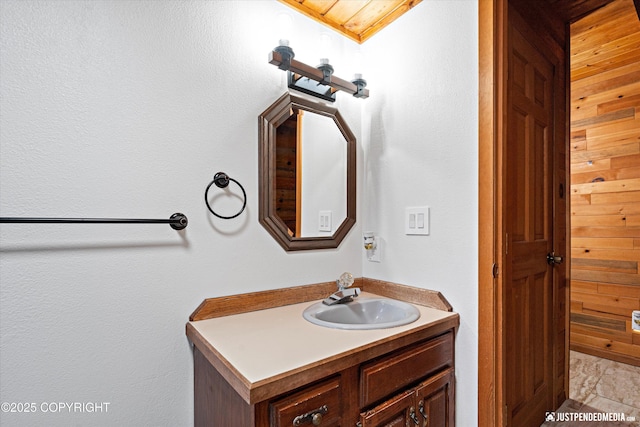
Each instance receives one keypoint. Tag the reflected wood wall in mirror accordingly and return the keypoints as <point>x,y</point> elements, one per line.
<point>307,174</point>
<point>287,176</point>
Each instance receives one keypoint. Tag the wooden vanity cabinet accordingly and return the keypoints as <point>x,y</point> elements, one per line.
<point>410,386</point>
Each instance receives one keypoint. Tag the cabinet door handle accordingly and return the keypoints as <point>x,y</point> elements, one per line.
<point>412,415</point>
<point>315,416</point>
<point>423,413</point>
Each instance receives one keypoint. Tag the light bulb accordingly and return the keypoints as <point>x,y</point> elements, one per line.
<point>284,27</point>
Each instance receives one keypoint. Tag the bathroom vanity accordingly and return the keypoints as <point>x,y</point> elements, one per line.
<point>258,362</point>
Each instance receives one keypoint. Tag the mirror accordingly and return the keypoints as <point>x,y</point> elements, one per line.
<point>307,174</point>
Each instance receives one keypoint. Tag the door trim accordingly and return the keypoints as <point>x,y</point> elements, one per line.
<point>492,31</point>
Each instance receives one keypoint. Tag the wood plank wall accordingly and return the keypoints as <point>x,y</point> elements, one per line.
<point>605,182</point>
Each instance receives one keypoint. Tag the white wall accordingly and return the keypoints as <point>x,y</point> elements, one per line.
<point>420,143</point>
<point>127,109</point>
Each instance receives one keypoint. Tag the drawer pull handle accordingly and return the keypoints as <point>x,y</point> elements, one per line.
<point>315,416</point>
<point>412,415</point>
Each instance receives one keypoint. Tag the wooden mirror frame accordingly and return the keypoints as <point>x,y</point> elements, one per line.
<point>269,121</point>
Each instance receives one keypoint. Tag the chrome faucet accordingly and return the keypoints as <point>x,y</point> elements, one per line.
<point>343,295</point>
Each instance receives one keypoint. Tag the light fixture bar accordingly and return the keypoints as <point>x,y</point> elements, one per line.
<point>311,87</point>
<point>300,69</point>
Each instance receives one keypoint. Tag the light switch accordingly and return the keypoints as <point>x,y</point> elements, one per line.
<point>324,221</point>
<point>416,221</point>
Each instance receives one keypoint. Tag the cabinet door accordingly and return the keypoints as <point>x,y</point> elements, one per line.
<point>435,400</point>
<point>392,413</point>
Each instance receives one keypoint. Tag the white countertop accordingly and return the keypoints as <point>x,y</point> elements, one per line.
<point>266,343</point>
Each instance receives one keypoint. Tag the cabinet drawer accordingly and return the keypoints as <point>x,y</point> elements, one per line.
<point>383,377</point>
<point>320,403</point>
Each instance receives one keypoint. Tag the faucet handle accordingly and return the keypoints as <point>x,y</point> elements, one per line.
<point>345,280</point>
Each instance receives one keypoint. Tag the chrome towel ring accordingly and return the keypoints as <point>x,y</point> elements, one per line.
<point>221,180</point>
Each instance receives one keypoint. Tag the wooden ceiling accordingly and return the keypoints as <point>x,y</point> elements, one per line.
<point>608,39</point>
<point>572,10</point>
<point>361,19</point>
<point>356,19</point>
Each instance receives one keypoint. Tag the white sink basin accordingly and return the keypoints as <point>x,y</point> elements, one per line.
<point>362,313</point>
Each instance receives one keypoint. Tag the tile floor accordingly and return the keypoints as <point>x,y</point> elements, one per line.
<point>600,385</point>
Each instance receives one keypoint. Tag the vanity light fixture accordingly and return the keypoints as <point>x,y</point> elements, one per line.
<point>316,81</point>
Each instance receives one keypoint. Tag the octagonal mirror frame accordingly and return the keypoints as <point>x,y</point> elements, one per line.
<point>269,121</point>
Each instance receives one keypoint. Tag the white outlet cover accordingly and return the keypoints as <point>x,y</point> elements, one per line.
<point>416,221</point>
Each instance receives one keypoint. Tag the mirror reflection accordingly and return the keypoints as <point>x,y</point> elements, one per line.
<point>307,174</point>
<point>311,174</point>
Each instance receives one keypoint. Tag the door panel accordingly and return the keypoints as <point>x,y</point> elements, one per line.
<point>529,234</point>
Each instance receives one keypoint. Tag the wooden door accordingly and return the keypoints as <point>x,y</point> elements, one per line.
<point>528,220</point>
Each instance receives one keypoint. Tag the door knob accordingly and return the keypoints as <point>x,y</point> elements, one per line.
<point>553,259</point>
